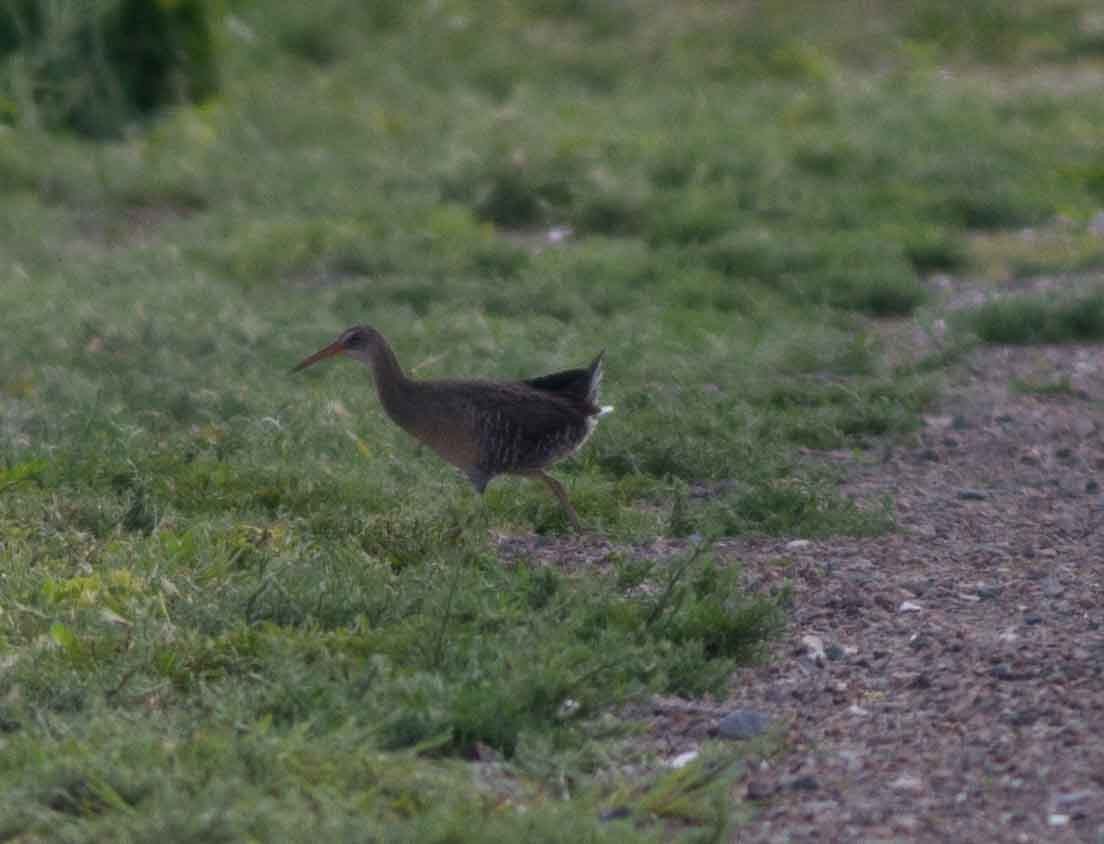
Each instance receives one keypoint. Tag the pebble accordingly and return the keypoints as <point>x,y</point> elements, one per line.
<point>814,648</point>
<point>743,724</point>
<point>683,759</point>
<point>852,759</point>
<point>834,652</point>
<point>806,782</point>
<point>1021,718</point>
<point>798,544</point>
<point>1004,672</point>
<point>972,495</point>
<point>1084,427</point>
<point>759,790</point>
<point>907,782</point>
<point>568,708</point>
<point>1072,797</point>
<point>909,606</point>
<point>1058,820</point>
<point>558,234</point>
<point>908,823</point>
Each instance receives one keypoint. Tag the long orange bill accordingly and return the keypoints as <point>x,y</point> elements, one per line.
<point>335,348</point>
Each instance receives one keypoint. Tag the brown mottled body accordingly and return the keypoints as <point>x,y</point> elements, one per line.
<point>485,428</point>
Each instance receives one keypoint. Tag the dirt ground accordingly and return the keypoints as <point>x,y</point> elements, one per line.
<point>944,683</point>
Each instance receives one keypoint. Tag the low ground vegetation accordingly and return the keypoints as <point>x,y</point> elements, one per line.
<point>235,603</point>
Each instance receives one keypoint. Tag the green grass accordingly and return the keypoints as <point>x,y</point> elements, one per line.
<point>1039,319</point>
<point>1056,387</point>
<point>240,604</point>
<point>1061,249</point>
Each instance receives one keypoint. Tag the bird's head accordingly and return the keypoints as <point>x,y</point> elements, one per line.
<point>360,341</point>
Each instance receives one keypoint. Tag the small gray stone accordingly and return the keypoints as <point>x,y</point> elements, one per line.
<point>804,783</point>
<point>834,652</point>
<point>972,495</point>
<point>908,782</point>
<point>743,724</point>
<point>813,648</point>
<point>1004,672</point>
<point>1069,799</point>
<point>760,790</point>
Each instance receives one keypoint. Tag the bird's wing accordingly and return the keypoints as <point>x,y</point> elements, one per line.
<point>518,426</point>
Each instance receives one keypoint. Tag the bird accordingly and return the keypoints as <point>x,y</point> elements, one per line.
<point>484,428</point>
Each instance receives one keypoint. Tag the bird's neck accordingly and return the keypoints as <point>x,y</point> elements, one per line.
<point>394,388</point>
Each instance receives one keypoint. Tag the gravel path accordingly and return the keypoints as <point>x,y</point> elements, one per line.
<point>946,683</point>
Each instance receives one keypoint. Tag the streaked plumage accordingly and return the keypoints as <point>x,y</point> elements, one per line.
<point>485,428</point>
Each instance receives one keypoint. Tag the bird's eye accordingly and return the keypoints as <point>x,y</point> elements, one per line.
<point>353,340</point>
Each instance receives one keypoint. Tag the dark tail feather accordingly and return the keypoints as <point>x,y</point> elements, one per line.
<point>580,384</point>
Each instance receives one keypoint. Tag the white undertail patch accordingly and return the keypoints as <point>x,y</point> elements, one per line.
<point>597,370</point>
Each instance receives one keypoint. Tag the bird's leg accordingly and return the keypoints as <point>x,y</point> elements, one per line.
<point>469,518</point>
<point>479,481</point>
<point>561,494</point>
<point>483,516</point>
